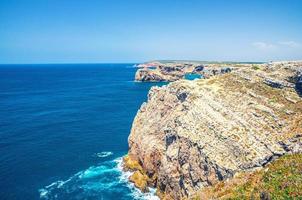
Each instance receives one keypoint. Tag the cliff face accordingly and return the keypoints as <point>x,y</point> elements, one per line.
<point>192,134</point>
<point>175,71</point>
<point>156,75</point>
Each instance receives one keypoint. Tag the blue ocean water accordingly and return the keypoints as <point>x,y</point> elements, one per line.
<point>64,128</point>
<point>192,76</point>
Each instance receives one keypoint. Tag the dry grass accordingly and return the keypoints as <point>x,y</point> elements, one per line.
<point>282,179</point>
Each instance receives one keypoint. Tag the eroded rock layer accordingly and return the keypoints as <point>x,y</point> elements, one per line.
<point>192,134</point>
<point>157,72</point>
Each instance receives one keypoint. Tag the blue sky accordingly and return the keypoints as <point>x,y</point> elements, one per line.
<point>94,31</point>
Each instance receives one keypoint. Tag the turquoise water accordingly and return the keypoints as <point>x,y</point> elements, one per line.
<point>192,76</point>
<point>64,129</point>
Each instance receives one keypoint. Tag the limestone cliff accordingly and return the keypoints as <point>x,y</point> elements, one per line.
<point>192,134</point>
<point>156,71</point>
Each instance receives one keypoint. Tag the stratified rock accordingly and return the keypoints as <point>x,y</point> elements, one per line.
<point>192,134</point>
<point>277,84</point>
<point>147,75</point>
<point>170,72</point>
<point>214,71</point>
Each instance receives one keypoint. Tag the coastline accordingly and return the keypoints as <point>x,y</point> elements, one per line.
<point>84,179</point>
<point>261,102</point>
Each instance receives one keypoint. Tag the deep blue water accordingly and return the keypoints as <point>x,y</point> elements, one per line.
<point>63,129</point>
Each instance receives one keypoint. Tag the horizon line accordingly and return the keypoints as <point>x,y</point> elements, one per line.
<point>158,60</point>
<point>151,60</point>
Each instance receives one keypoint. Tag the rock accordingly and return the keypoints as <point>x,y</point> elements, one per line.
<point>140,181</point>
<point>131,164</point>
<point>277,84</point>
<point>193,134</point>
<point>298,81</point>
<point>149,75</point>
<point>265,196</point>
<point>199,68</point>
<point>226,70</point>
<point>169,72</point>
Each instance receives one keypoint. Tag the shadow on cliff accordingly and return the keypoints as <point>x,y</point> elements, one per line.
<point>298,89</point>
<point>298,86</point>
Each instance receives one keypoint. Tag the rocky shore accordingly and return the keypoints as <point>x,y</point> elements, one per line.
<point>190,135</point>
<point>173,71</point>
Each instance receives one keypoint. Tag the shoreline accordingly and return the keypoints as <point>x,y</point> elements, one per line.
<point>122,177</point>
<point>125,176</point>
<point>193,134</point>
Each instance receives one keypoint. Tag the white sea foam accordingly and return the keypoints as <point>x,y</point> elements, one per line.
<point>103,154</point>
<point>107,177</point>
<point>93,172</point>
<point>136,193</point>
<point>43,193</point>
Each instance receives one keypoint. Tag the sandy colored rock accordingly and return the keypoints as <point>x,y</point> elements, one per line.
<point>140,180</point>
<point>131,164</point>
<point>192,134</point>
<point>173,71</point>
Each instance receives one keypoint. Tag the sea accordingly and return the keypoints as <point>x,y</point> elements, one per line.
<point>64,130</point>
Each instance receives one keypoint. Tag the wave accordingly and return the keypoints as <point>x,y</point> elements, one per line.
<point>136,193</point>
<point>105,181</point>
<point>104,154</point>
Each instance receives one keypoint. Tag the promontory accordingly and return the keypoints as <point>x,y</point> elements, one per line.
<point>210,137</point>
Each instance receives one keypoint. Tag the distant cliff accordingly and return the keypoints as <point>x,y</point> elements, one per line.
<point>194,134</point>
<point>173,71</point>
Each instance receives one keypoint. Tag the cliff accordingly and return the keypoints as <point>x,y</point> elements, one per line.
<point>194,134</point>
<point>173,71</point>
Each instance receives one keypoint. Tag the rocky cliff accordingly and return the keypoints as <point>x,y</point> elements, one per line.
<point>156,71</point>
<point>193,134</point>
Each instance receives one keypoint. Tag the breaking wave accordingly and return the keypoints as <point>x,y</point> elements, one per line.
<point>105,181</point>
<point>104,154</point>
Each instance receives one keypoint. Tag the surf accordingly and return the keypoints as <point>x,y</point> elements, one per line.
<point>97,182</point>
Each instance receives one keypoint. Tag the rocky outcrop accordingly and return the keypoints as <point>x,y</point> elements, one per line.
<point>154,75</point>
<point>192,134</point>
<point>277,84</point>
<point>298,81</point>
<point>157,72</point>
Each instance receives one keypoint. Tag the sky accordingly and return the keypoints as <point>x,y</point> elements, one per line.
<point>115,31</point>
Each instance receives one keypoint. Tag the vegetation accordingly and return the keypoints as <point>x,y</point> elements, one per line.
<point>282,179</point>
<point>255,67</point>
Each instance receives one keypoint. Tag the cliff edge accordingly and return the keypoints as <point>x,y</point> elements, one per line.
<point>194,134</point>
<point>173,71</point>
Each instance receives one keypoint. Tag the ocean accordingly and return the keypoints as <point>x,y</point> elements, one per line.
<point>64,129</point>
